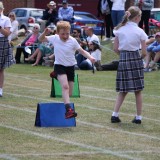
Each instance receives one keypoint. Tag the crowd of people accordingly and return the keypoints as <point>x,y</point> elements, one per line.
<point>82,49</point>
<point>111,11</point>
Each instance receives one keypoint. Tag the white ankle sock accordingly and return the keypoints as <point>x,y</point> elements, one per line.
<point>138,117</point>
<point>1,91</point>
<point>115,114</point>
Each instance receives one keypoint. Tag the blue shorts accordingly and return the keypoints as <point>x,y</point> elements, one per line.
<point>69,71</point>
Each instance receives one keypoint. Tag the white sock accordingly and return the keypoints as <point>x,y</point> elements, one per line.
<point>1,91</point>
<point>115,114</point>
<point>138,117</point>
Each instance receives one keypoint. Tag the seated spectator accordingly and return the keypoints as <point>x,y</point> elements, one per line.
<point>89,36</point>
<point>14,28</point>
<point>95,51</point>
<point>65,13</point>
<point>153,52</point>
<point>49,60</point>
<point>50,15</point>
<point>40,52</point>
<point>76,33</point>
<point>30,40</point>
<point>89,32</point>
<point>50,57</point>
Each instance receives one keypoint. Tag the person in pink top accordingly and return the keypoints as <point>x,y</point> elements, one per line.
<point>30,40</point>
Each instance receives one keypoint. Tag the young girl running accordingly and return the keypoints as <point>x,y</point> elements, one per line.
<point>130,75</point>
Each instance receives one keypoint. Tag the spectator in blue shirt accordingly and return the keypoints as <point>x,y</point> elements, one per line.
<point>153,53</point>
<point>65,12</point>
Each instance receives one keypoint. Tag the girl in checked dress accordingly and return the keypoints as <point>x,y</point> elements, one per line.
<point>6,54</point>
<point>130,75</point>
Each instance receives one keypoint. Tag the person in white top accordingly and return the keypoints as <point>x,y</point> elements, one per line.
<point>14,28</point>
<point>6,52</point>
<point>130,74</point>
<point>65,47</point>
<point>89,31</point>
<point>95,51</point>
<point>118,11</point>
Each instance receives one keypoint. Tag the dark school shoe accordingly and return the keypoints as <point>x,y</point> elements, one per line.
<point>137,121</point>
<point>115,119</point>
<point>98,66</point>
<point>70,113</point>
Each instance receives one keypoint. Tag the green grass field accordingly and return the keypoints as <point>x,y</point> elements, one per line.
<point>94,137</point>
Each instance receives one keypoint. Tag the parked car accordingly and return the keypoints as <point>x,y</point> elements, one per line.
<point>154,20</point>
<point>27,16</point>
<point>87,19</point>
<point>155,13</point>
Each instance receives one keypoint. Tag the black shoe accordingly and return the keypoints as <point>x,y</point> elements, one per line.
<point>137,121</point>
<point>115,119</point>
<point>70,113</point>
<point>98,66</point>
<point>18,62</point>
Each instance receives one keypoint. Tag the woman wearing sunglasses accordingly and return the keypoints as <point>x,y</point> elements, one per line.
<point>31,40</point>
<point>95,51</point>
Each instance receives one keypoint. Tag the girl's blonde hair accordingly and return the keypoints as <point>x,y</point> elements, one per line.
<point>132,12</point>
<point>63,25</point>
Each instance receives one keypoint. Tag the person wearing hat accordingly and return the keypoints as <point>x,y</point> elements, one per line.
<point>66,12</point>
<point>6,52</point>
<point>95,51</point>
<point>153,51</point>
<point>50,15</point>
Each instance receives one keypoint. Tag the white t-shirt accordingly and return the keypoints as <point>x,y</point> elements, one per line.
<point>14,30</point>
<point>64,51</point>
<point>93,37</point>
<point>4,22</point>
<point>130,36</point>
<point>118,5</point>
<point>96,54</point>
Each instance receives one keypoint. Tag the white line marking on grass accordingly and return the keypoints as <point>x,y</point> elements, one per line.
<point>143,151</point>
<point>113,99</point>
<point>56,154</point>
<point>91,124</point>
<point>107,110</point>
<point>90,96</point>
<point>30,78</point>
<point>45,136</point>
<point>37,88</point>
<point>92,88</point>
<point>119,130</point>
<point>8,157</point>
<point>93,108</point>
